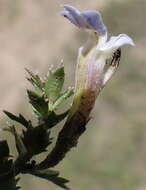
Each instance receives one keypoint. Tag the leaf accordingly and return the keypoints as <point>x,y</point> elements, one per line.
<point>35,80</point>
<point>39,104</point>
<point>54,84</point>
<point>69,92</point>
<point>53,119</point>
<point>20,119</point>
<point>36,140</point>
<point>52,176</point>
<point>7,177</point>
<point>18,140</point>
<point>9,184</point>
<point>4,149</point>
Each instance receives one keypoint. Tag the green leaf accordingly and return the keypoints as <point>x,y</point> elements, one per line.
<point>36,140</point>
<point>54,84</point>
<point>6,165</point>
<point>39,104</point>
<point>4,150</point>
<point>18,140</point>
<point>20,119</point>
<point>52,176</point>
<point>69,92</point>
<point>36,81</point>
<point>9,184</point>
<point>53,119</point>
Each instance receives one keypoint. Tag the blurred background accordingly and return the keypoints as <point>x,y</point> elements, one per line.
<point>111,155</point>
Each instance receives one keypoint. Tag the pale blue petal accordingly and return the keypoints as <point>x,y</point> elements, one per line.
<point>94,20</point>
<point>76,14</point>
<point>67,15</point>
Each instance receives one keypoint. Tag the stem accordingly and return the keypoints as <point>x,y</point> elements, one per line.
<point>72,130</point>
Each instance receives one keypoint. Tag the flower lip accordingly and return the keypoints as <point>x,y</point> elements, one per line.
<point>94,20</point>
<point>89,19</point>
<point>115,42</point>
<point>75,17</point>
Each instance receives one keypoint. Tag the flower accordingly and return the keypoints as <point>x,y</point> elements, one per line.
<point>91,76</point>
<point>92,20</point>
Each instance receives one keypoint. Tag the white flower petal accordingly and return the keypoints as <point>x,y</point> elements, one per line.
<point>102,41</point>
<point>116,42</point>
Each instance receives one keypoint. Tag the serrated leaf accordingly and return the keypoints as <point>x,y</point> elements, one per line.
<point>35,80</point>
<point>19,143</point>
<point>36,139</point>
<point>18,140</point>
<point>54,84</point>
<point>39,104</point>
<point>46,174</point>
<point>69,92</point>
<point>4,149</point>
<point>20,119</point>
<point>53,119</point>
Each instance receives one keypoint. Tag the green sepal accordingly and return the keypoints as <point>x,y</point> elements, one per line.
<point>52,176</point>
<point>54,84</point>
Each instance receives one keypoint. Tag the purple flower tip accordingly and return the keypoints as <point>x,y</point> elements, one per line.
<point>89,19</point>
